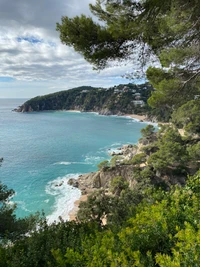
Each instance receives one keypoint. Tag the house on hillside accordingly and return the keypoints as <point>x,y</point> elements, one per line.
<point>138,103</point>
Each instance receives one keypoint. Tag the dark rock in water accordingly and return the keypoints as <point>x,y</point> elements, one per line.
<point>73,182</point>
<point>116,153</point>
<point>1,159</point>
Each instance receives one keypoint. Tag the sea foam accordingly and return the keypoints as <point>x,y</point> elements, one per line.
<point>65,196</point>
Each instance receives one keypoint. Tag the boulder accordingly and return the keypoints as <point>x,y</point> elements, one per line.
<point>73,182</point>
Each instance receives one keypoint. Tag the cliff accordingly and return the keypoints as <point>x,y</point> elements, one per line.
<point>121,99</point>
<point>122,165</point>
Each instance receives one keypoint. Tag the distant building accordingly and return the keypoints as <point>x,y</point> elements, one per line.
<point>138,102</point>
<point>125,89</point>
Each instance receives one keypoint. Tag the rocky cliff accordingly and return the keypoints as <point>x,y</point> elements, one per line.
<point>125,168</point>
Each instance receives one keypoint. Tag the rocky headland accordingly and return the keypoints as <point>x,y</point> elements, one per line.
<point>117,100</point>
<point>122,164</point>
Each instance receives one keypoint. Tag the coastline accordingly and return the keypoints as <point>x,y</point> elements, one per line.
<point>72,214</point>
<point>137,117</point>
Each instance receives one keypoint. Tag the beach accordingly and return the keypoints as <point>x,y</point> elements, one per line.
<point>137,117</point>
<point>73,212</point>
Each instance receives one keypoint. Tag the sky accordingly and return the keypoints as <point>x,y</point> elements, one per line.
<point>33,60</point>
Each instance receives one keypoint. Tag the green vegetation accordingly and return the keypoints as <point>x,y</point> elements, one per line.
<point>116,100</point>
<point>166,32</point>
<point>160,230</point>
<point>146,221</point>
<point>12,228</point>
<point>103,165</point>
<point>153,219</point>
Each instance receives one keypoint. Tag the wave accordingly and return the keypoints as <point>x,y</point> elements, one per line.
<point>65,196</point>
<point>63,163</point>
<point>93,160</point>
<point>22,205</point>
<point>69,163</point>
<point>116,144</point>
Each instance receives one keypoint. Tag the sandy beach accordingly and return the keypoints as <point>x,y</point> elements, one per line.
<point>137,117</point>
<point>73,110</point>
<point>73,212</point>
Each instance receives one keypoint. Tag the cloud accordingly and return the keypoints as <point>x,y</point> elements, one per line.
<point>31,51</point>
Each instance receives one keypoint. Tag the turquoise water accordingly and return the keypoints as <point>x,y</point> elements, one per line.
<point>43,150</point>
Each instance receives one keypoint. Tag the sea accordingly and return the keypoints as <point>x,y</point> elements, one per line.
<point>43,150</point>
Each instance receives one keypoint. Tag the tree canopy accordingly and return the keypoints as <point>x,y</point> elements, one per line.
<point>168,31</point>
<point>149,222</point>
<point>11,227</point>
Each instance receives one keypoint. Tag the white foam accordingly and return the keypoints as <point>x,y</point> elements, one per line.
<point>139,120</point>
<point>22,205</point>
<point>93,159</point>
<point>63,163</point>
<point>73,111</point>
<point>65,196</point>
<point>114,150</point>
<point>69,163</point>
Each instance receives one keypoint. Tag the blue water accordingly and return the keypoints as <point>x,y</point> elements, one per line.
<point>43,150</point>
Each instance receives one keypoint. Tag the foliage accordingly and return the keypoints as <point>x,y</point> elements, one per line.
<point>171,151</point>
<point>85,98</point>
<point>118,184</point>
<point>12,228</point>
<point>167,33</point>
<point>194,153</point>
<point>36,250</point>
<point>147,131</point>
<point>95,208</point>
<point>186,251</point>
<point>138,159</point>
<point>116,160</point>
<point>162,230</point>
<point>146,226</point>
<point>103,165</point>
<point>188,117</point>
<point>158,234</point>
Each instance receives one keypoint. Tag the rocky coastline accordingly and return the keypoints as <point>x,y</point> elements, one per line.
<point>101,179</point>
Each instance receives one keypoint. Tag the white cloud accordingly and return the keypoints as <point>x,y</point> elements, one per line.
<point>31,51</point>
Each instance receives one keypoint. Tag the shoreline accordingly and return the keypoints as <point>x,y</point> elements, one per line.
<point>137,117</point>
<point>73,212</point>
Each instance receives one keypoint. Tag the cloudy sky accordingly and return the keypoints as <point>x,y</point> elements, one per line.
<point>33,60</point>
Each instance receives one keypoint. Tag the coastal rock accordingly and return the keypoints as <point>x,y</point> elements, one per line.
<point>103,178</point>
<point>116,153</point>
<point>73,182</point>
<point>105,112</point>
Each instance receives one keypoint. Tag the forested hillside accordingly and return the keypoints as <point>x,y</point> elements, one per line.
<point>153,217</point>
<point>121,99</point>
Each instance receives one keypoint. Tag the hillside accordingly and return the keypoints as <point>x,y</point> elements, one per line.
<point>121,99</point>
